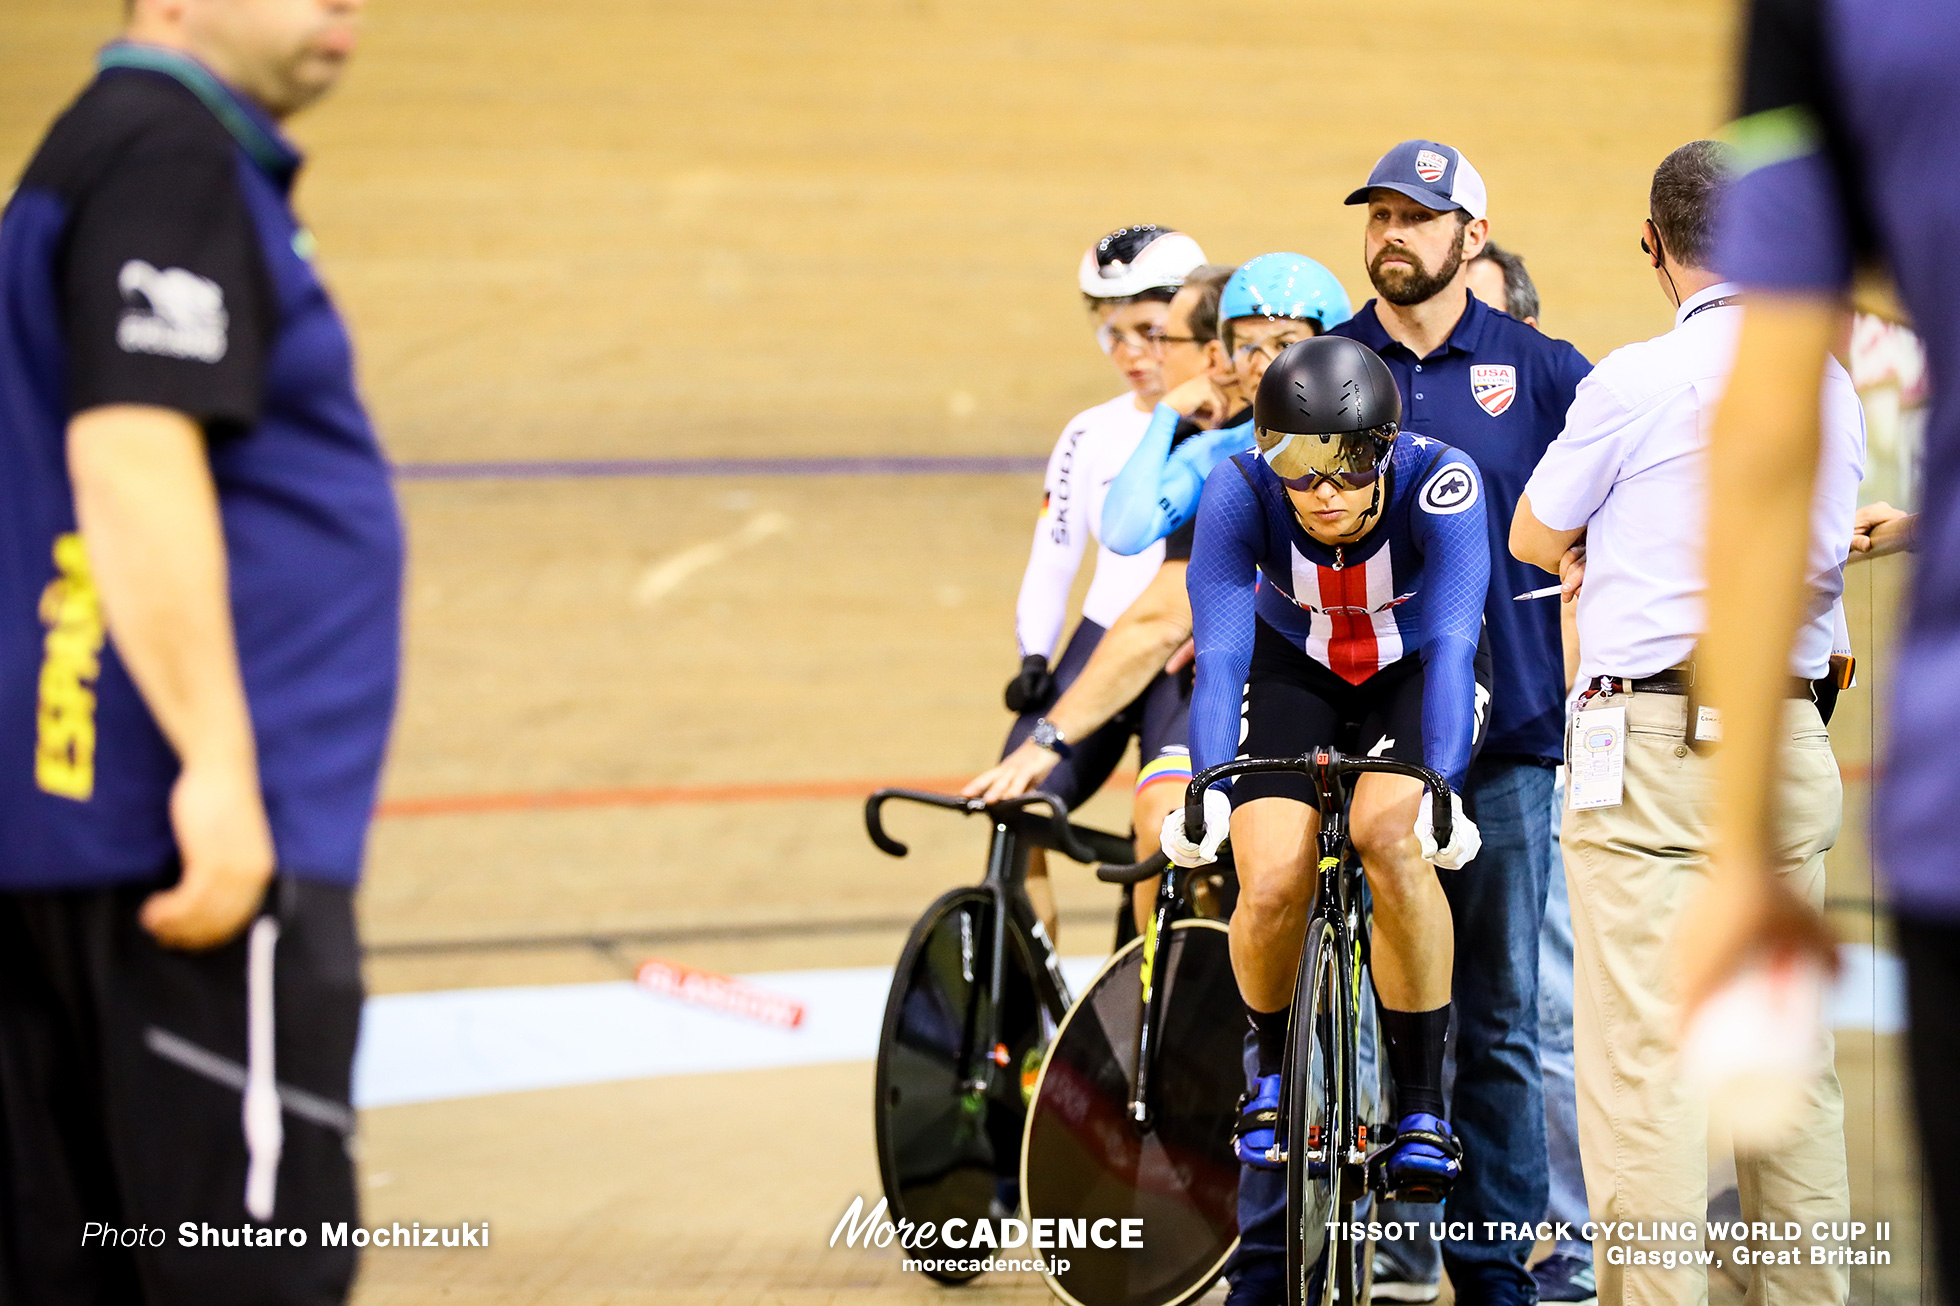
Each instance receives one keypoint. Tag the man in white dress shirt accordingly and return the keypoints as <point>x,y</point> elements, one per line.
<point>1617,507</point>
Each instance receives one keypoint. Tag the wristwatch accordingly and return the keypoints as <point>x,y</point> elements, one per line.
<point>1046,736</point>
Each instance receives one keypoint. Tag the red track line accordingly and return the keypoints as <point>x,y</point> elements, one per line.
<point>664,795</point>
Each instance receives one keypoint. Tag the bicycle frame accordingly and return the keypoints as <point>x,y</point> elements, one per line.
<point>1168,909</point>
<point>1338,895</point>
<point>1013,829</point>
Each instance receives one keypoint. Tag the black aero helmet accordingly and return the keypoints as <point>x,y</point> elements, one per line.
<point>1327,407</point>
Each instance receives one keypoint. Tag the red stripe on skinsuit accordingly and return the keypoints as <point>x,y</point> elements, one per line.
<point>1351,650</point>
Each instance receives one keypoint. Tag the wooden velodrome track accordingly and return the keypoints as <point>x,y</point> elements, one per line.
<point>605,229</point>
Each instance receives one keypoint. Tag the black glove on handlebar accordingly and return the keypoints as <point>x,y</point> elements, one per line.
<point>1033,687</point>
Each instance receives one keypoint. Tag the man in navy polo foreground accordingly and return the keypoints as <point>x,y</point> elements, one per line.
<point>1497,389</point>
<point>200,579</point>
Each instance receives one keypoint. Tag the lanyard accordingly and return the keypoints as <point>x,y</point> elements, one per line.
<point>1723,302</point>
<point>276,159</point>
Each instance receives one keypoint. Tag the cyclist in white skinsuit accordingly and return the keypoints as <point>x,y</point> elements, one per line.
<point>1128,280</point>
<point>1092,450</point>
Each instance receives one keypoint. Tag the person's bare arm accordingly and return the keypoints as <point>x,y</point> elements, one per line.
<point>1762,469</point>
<point>1130,653</point>
<point>1534,542</point>
<point>149,518</point>
<point>1568,633</point>
<point>1880,529</point>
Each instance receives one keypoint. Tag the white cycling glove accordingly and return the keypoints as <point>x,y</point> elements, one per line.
<point>1218,824</point>
<point>1464,839</point>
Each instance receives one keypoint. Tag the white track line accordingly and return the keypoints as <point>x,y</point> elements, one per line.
<point>430,1047</point>
<point>427,1047</point>
<point>664,577</point>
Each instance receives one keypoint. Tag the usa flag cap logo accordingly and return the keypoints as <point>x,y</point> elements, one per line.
<point>1432,174</point>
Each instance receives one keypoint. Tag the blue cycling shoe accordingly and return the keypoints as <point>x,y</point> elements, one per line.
<point>1424,1160</point>
<point>1252,1137</point>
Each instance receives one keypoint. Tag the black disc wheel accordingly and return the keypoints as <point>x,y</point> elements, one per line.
<point>1316,1109</point>
<point>945,1149</point>
<point>1087,1159</point>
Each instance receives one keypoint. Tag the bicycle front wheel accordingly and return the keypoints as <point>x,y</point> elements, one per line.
<point>1371,1120</point>
<point>1086,1158</point>
<point>1319,1047</point>
<point>946,1150</point>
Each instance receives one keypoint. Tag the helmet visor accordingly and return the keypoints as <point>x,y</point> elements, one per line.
<point>1350,459</point>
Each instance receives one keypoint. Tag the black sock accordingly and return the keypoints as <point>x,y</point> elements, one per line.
<point>1415,1057</point>
<point>1269,1028</point>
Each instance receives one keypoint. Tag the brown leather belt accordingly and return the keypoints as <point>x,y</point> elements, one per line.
<point>1679,680</point>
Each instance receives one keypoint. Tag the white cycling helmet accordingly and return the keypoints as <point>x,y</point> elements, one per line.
<point>1132,260</point>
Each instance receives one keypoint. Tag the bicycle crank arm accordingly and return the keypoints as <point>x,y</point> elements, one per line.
<point>1373,1177</point>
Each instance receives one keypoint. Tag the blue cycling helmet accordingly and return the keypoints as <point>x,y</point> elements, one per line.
<point>1285,285</point>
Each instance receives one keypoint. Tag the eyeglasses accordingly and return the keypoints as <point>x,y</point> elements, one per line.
<point>1147,341</point>
<point>1348,460</point>
<point>1163,339</point>
<point>1271,347</point>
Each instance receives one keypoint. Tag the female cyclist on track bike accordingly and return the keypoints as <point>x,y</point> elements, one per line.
<point>1337,583</point>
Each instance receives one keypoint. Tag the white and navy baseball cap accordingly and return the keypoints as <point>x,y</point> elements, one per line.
<point>1433,175</point>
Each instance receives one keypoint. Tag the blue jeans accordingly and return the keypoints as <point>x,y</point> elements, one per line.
<point>1568,1182</point>
<point>1497,1106</point>
<point>1497,1103</point>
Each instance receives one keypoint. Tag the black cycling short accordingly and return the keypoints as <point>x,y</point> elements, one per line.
<point>1159,717</point>
<point>1293,704</point>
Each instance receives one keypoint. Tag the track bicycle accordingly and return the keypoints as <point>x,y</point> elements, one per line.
<point>1337,1113</point>
<point>976,996</point>
<point>1132,1116</point>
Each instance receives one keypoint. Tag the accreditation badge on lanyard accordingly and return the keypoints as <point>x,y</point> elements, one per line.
<point>1595,767</point>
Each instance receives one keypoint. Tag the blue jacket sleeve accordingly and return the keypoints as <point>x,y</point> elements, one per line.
<point>1455,580</point>
<point>1224,561</point>
<point>1158,488</point>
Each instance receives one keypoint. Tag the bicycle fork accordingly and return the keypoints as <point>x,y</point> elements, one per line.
<point>1156,937</point>
<point>1325,1142</point>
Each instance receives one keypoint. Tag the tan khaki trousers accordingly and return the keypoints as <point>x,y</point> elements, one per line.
<point>1643,1135</point>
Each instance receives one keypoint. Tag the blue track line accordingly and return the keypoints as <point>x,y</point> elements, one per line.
<point>604,468</point>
